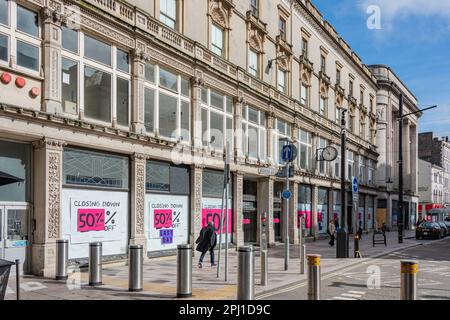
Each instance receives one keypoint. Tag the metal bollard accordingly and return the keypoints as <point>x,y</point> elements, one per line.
<point>302,258</point>
<point>95,264</point>
<point>264,267</point>
<point>313,276</point>
<point>136,268</point>
<point>357,253</point>
<point>408,280</point>
<point>184,271</point>
<point>246,280</point>
<point>18,279</point>
<point>62,254</point>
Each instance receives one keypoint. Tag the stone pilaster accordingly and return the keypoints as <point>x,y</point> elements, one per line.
<point>238,215</point>
<point>197,134</point>
<point>270,127</point>
<point>52,61</point>
<point>406,155</point>
<point>315,224</point>
<point>48,161</point>
<point>293,216</point>
<point>239,104</point>
<point>366,212</point>
<point>196,203</point>
<point>265,204</point>
<point>137,235</point>
<point>140,58</point>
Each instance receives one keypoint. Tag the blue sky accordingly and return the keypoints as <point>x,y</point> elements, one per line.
<point>414,40</point>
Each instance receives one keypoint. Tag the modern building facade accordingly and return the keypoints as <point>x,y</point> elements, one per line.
<point>437,151</point>
<point>114,116</point>
<point>390,88</point>
<point>431,188</point>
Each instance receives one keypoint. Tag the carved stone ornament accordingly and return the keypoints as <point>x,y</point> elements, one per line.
<point>197,81</point>
<point>54,196</point>
<point>50,15</point>
<point>219,14</point>
<point>140,197</point>
<point>255,40</point>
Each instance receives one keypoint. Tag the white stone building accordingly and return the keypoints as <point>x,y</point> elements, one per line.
<point>431,187</point>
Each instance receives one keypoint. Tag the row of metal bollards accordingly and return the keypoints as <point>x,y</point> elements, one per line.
<point>135,266</point>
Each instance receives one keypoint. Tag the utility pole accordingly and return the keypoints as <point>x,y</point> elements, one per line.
<point>286,218</point>
<point>400,170</point>
<point>342,235</point>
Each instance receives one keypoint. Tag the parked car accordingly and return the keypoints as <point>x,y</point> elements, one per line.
<point>444,226</point>
<point>429,230</point>
<point>447,223</point>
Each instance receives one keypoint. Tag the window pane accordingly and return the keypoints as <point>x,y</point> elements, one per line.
<point>168,80</point>
<point>205,95</point>
<point>150,72</point>
<point>229,133</point>
<point>185,119</point>
<point>157,176</point>
<point>69,86</point>
<point>3,48</point>
<point>123,61</point>
<point>252,142</point>
<point>4,12</point>
<point>253,63</point>
<point>244,139</point>
<point>303,156</point>
<point>27,21</point>
<point>97,50</point>
<point>97,94</point>
<point>262,142</point>
<point>27,56</point>
<point>217,40</point>
<point>205,134</point>
<point>216,100</point>
<point>281,126</point>
<point>212,183</point>
<point>253,115</point>
<point>122,101</point>
<point>169,8</point>
<point>185,87</point>
<point>217,130</point>
<point>262,119</point>
<point>69,39</point>
<point>83,167</point>
<point>229,105</point>
<point>149,109</point>
<point>167,116</point>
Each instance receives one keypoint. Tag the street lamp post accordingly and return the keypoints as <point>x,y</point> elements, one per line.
<point>342,235</point>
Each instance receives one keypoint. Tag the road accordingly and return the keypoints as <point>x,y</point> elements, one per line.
<point>379,279</point>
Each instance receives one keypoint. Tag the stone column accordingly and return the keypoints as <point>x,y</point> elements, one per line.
<point>414,161</point>
<point>138,97</point>
<point>315,225</point>
<point>366,212</point>
<point>265,204</point>
<point>270,139</point>
<point>196,203</point>
<point>239,104</point>
<point>138,164</point>
<point>197,134</point>
<point>238,198</point>
<point>293,216</point>
<point>51,57</point>
<point>406,155</point>
<point>48,157</point>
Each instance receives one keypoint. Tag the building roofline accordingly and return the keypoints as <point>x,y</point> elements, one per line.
<point>372,66</point>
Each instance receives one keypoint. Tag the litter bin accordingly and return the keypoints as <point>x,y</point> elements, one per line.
<point>5,267</point>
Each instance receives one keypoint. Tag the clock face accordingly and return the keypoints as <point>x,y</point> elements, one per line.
<point>329,153</point>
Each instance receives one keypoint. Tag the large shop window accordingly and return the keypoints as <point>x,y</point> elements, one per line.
<point>167,104</point>
<point>323,165</point>
<point>322,210</point>
<point>90,168</point>
<point>95,78</point>
<point>166,205</point>
<point>217,119</point>
<point>305,149</point>
<point>20,37</point>
<point>254,137</point>
<point>15,172</point>
<point>337,206</point>
<point>305,208</point>
<point>282,131</point>
<point>350,165</point>
<point>95,202</point>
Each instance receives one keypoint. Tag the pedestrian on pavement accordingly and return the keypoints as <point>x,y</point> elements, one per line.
<point>331,232</point>
<point>384,228</point>
<point>206,241</point>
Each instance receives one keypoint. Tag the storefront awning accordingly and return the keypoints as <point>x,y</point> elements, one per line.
<point>6,178</point>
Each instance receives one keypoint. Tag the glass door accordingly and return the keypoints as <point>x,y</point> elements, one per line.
<point>15,228</point>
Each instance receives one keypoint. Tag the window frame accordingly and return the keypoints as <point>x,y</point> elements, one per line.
<point>256,73</point>
<point>277,135</point>
<point>213,45</point>
<point>309,152</point>
<point>254,8</point>
<point>157,90</point>
<point>165,15</point>
<point>282,31</point>
<point>285,87</point>
<point>323,111</point>
<point>261,131</point>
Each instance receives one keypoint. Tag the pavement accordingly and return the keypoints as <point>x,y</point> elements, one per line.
<point>160,274</point>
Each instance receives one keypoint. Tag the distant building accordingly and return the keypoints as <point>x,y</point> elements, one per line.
<point>431,187</point>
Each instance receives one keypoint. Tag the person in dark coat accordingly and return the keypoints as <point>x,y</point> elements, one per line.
<point>207,241</point>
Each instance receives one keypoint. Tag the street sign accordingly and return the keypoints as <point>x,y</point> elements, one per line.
<point>355,185</point>
<point>286,194</point>
<point>268,171</point>
<point>282,172</point>
<point>289,153</point>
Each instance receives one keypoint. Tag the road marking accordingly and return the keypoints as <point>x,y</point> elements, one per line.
<point>343,298</point>
<point>357,292</point>
<point>351,295</point>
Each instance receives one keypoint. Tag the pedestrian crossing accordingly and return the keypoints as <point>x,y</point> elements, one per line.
<point>350,295</point>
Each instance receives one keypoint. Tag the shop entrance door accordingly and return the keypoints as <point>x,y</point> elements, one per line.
<point>277,218</point>
<point>250,222</point>
<point>14,234</point>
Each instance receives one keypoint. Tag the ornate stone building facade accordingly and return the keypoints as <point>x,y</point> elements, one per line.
<point>126,107</point>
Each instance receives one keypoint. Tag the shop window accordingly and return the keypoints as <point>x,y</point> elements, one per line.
<point>97,94</point>
<point>4,12</point>
<point>123,61</point>
<point>122,101</point>
<point>305,149</point>
<point>212,184</point>
<point>69,39</point>
<point>27,55</point>
<point>27,21</point>
<point>150,73</point>
<point>97,50</point>
<point>90,168</point>
<point>69,85</point>
<point>254,133</point>
<point>163,177</point>
<point>3,48</point>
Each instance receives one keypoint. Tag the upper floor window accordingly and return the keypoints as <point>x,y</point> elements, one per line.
<point>217,40</point>
<point>167,104</point>
<point>351,123</point>
<point>254,138</point>
<point>282,81</point>
<point>305,149</point>
<point>168,13</point>
<point>370,173</point>
<point>282,28</point>
<point>323,63</point>
<point>323,165</point>
<point>217,119</point>
<point>362,169</point>
<point>19,37</point>
<point>350,165</point>
<point>337,163</point>
<point>323,106</point>
<point>305,48</point>
<point>371,106</point>
<point>95,79</point>
<point>361,97</point>
<point>254,7</point>
<point>338,115</point>
<point>253,63</point>
<point>283,130</point>
<point>338,77</point>
<point>350,87</point>
<point>304,95</point>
